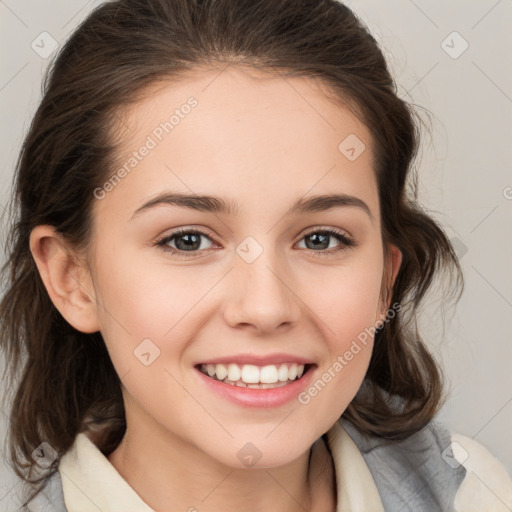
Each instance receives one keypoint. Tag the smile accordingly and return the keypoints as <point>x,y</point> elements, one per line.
<point>253,376</point>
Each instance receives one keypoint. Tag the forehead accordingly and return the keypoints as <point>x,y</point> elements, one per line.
<point>241,129</point>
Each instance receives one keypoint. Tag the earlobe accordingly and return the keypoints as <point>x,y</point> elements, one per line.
<point>396,262</point>
<point>65,278</point>
<point>393,264</point>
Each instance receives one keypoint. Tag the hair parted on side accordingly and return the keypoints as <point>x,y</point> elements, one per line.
<point>64,380</point>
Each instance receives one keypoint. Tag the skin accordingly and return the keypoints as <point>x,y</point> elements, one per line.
<point>263,141</point>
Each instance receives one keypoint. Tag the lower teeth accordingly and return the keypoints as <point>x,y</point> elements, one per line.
<point>260,385</point>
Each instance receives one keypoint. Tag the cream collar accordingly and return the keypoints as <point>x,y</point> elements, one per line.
<point>91,483</point>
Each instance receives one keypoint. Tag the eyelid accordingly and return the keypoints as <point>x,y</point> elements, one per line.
<point>329,229</point>
<point>163,239</point>
<point>314,229</point>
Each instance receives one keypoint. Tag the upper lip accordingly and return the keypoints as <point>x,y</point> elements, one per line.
<point>258,360</point>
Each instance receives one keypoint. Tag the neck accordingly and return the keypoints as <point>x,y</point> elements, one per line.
<point>170,474</point>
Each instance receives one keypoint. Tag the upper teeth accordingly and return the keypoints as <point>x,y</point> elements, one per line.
<point>252,374</point>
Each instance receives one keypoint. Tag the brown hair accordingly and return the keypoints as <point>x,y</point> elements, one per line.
<point>67,382</point>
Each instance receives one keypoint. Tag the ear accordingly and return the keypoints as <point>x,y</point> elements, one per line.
<point>392,265</point>
<point>66,278</point>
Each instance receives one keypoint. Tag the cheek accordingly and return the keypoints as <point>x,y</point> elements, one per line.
<point>346,305</point>
<point>148,318</point>
<point>348,328</point>
<point>139,301</point>
<point>346,298</point>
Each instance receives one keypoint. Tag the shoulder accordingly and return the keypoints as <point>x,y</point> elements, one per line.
<point>50,499</point>
<point>434,470</point>
<point>487,485</point>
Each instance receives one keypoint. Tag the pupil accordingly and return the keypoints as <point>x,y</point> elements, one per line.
<point>191,240</point>
<point>316,237</point>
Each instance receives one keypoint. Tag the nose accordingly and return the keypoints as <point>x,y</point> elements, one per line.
<point>260,294</point>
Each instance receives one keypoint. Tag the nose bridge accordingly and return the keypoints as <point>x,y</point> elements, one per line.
<point>261,287</point>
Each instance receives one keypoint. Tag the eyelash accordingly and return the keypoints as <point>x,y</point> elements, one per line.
<point>345,244</point>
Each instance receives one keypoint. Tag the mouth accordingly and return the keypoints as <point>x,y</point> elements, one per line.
<point>255,377</point>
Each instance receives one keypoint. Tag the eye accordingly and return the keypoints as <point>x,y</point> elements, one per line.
<point>186,241</point>
<point>321,238</point>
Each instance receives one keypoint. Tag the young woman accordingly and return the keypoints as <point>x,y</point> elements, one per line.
<point>215,269</point>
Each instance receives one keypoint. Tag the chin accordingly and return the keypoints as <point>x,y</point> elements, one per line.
<point>262,451</point>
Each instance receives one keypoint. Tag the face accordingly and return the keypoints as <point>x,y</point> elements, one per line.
<point>255,293</point>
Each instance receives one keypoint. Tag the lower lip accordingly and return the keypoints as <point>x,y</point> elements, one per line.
<point>250,397</point>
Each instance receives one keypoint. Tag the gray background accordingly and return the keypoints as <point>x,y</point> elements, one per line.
<point>465,174</point>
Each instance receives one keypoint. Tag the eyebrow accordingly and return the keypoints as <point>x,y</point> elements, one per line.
<point>214,204</point>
